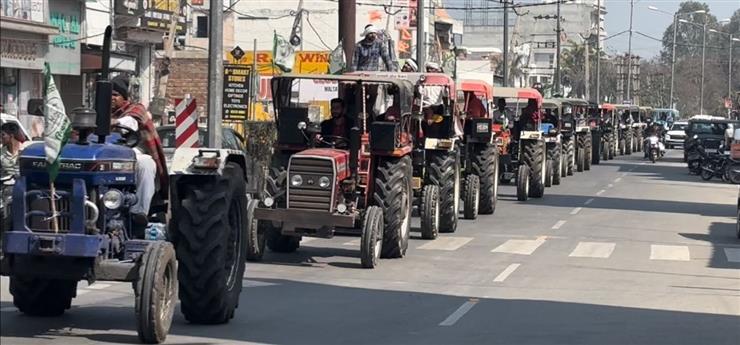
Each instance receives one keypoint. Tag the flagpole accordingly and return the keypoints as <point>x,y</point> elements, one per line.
<point>54,220</point>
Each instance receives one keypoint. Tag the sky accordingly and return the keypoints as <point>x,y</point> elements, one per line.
<point>650,22</point>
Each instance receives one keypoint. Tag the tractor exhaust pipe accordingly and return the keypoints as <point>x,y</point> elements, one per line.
<point>103,91</point>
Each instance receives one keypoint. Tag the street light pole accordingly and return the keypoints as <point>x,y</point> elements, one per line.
<point>629,55</point>
<point>703,49</point>
<point>506,43</point>
<point>215,72</point>
<point>673,59</point>
<point>557,52</point>
<point>598,50</point>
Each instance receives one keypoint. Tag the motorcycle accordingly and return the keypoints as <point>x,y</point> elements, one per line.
<point>655,148</point>
<point>715,165</point>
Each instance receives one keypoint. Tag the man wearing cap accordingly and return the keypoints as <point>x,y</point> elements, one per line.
<point>151,171</point>
<point>370,50</point>
<point>410,66</point>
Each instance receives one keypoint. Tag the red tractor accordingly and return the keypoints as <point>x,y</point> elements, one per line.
<point>361,182</point>
<point>481,153</point>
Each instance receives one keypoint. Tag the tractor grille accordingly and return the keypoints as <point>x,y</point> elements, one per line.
<point>309,195</point>
<point>40,215</point>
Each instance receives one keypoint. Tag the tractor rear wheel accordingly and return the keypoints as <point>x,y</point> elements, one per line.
<point>472,197</point>
<point>554,153</point>
<point>429,212</point>
<point>533,156</point>
<point>394,194</point>
<point>444,171</point>
<point>211,245</point>
<point>522,183</point>
<point>156,292</point>
<point>42,297</point>
<point>570,157</point>
<point>588,149</point>
<point>629,141</point>
<point>486,166</point>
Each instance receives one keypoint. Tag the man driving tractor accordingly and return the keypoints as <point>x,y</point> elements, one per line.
<point>151,171</point>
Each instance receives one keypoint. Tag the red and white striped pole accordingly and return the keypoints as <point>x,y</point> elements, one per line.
<point>186,123</point>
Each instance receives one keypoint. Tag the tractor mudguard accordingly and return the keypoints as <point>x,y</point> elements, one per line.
<point>204,161</point>
<point>440,144</point>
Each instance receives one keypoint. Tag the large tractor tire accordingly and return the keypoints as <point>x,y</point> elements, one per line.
<point>629,141</point>
<point>522,183</point>
<point>596,147</point>
<point>429,212</point>
<point>155,292</point>
<point>570,157</point>
<point>444,171</point>
<point>549,170</point>
<point>554,152</point>
<point>638,140</point>
<point>580,159</point>
<point>533,156</point>
<point>211,245</point>
<point>588,152</point>
<point>42,297</point>
<point>604,148</point>
<point>394,194</point>
<point>274,239</point>
<point>486,166</point>
<point>471,196</point>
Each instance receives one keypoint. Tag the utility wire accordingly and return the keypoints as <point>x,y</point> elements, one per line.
<point>314,30</point>
<point>459,8</point>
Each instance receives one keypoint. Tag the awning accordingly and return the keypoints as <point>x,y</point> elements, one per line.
<point>93,61</point>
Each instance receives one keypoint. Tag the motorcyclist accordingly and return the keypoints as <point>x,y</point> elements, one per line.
<point>151,171</point>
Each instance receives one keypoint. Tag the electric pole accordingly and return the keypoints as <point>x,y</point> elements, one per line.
<point>598,51</point>
<point>557,52</point>
<point>215,72</point>
<point>629,55</point>
<point>506,43</point>
<point>421,47</point>
<point>347,29</point>
<point>586,77</point>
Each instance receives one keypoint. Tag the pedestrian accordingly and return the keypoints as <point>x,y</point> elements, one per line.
<point>433,67</point>
<point>370,50</point>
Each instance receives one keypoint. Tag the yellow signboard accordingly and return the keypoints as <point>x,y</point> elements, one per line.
<point>306,62</point>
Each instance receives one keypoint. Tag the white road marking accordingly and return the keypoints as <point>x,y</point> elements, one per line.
<point>576,210</point>
<point>593,250</point>
<point>446,243</point>
<point>522,247</point>
<point>617,179</point>
<point>610,185</point>
<point>732,254</point>
<point>459,313</point>
<point>589,201</point>
<point>255,283</point>
<point>506,273</point>
<point>98,286</point>
<point>600,192</point>
<point>355,242</point>
<point>558,224</point>
<point>674,253</point>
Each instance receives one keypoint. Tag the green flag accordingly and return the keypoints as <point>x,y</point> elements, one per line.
<point>57,126</point>
<point>283,53</point>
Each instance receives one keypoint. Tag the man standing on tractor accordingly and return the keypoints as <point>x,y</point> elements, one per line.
<point>150,162</point>
<point>370,50</point>
<point>410,66</point>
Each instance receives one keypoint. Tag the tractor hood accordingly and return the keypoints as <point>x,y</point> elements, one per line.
<point>95,163</point>
<point>340,158</point>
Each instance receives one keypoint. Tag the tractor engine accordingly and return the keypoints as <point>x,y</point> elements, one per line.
<point>315,181</point>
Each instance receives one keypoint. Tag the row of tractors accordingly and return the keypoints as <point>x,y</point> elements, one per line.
<point>414,142</point>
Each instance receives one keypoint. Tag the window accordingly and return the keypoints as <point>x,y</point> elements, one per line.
<point>545,80</point>
<point>201,26</point>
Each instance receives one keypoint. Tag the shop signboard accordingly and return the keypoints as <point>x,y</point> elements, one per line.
<point>64,49</point>
<point>32,10</point>
<point>236,92</point>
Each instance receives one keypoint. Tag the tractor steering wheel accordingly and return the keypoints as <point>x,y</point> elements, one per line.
<point>334,141</point>
<point>128,137</point>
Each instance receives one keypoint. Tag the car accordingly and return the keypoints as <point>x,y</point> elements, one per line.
<point>676,134</point>
<point>230,140</point>
<point>709,131</point>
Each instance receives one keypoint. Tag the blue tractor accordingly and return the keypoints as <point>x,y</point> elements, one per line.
<point>82,230</point>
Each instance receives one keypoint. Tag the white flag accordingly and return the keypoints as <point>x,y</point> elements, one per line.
<point>57,126</point>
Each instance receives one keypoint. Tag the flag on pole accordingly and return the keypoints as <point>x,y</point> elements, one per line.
<point>57,127</point>
<point>283,53</point>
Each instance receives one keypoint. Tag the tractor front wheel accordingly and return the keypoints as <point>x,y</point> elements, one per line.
<point>429,212</point>
<point>486,166</point>
<point>472,196</point>
<point>522,183</point>
<point>42,297</point>
<point>533,156</point>
<point>156,292</point>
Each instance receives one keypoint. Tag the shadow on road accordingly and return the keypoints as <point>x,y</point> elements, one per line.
<point>720,234</point>
<point>290,312</point>
<point>642,205</point>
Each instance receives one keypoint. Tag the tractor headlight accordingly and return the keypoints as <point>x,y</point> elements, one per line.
<point>112,199</point>
<point>296,180</point>
<point>268,202</point>
<point>324,182</point>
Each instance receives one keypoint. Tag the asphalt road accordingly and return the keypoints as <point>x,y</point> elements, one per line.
<point>628,253</point>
